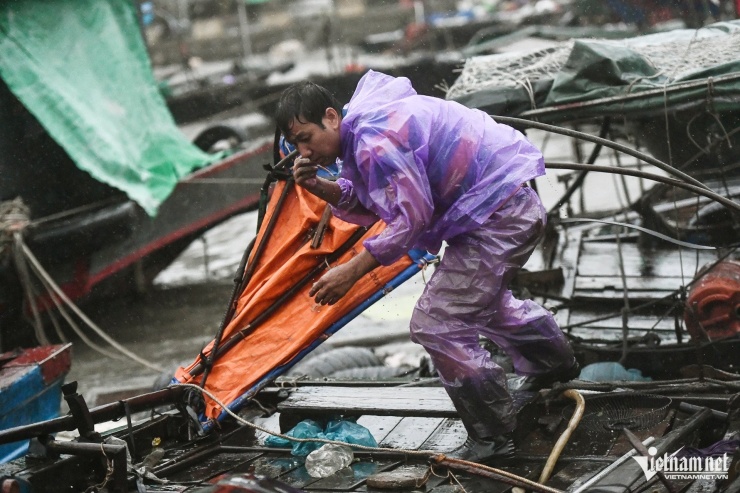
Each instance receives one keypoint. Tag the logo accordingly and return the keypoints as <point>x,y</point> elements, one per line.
<point>683,467</point>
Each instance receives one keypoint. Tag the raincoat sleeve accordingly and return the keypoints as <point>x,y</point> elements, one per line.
<point>349,207</point>
<point>399,190</point>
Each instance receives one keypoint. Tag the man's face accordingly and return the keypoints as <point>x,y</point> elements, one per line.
<point>320,145</point>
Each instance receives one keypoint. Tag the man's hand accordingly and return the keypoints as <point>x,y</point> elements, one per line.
<point>304,173</point>
<point>333,285</point>
<point>339,280</point>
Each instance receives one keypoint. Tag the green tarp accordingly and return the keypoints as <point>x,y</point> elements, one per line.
<point>81,68</point>
<point>601,77</point>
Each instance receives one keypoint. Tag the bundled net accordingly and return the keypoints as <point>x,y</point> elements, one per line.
<point>613,412</point>
<point>674,55</point>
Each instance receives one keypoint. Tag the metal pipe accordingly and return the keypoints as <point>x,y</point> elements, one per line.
<point>612,466</point>
<point>565,436</point>
<point>492,473</point>
<point>101,414</point>
<point>116,477</point>
<point>607,143</point>
<point>701,190</point>
<point>578,182</point>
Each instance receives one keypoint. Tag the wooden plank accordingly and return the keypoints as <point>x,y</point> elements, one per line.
<point>269,466</point>
<point>379,426</point>
<point>574,472</point>
<point>449,435</point>
<point>349,478</point>
<point>392,401</point>
<point>411,432</point>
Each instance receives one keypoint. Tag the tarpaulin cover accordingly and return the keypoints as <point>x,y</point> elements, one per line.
<point>81,68</point>
<point>287,258</point>
<point>607,71</point>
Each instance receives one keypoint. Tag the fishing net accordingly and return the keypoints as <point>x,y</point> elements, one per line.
<point>674,55</point>
<point>612,412</point>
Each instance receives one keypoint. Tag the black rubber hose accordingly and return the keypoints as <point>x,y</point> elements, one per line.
<point>597,140</point>
<point>730,204</point>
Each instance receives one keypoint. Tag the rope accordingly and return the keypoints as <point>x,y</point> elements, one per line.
<point>14,217</point>
<point>424,263</point>
<point>67,317</point>
<point>428,454</point>
<point>58,291</point>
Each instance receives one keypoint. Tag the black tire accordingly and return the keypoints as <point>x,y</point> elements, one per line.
<point>208,138</point>
<point>371,373</point>
<point>334,360</point>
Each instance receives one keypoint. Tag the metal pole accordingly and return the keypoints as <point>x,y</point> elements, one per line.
<point>244,28</point>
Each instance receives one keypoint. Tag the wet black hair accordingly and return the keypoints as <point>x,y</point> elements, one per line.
<point>305,102</point>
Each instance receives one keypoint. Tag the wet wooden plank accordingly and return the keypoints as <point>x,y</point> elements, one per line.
<point>298,478</point>
<point>269,466</point>
<point>401,478</point>
<point>350,478</point>
<point>379,426</point>
<point>409,401</point>
<point>449,435</point>
<point>574,471</point>
<point>411,432</point>
<point>210,467</point>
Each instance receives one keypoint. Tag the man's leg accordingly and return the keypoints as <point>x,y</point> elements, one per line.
<point>446,321</point>
<point>524,329</point>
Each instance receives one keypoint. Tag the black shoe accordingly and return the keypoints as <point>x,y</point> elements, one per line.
<point>547,380</point>
<point>477,450</point>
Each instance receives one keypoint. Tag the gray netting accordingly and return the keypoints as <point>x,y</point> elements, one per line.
<point>674,54</point>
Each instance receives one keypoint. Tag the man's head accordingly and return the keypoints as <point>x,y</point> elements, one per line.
<point>309,118</point>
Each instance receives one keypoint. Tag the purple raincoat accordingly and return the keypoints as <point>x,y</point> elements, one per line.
<point>431,169</point>
<point>434,170</point>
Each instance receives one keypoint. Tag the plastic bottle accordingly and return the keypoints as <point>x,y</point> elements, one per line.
<point>328,459</point>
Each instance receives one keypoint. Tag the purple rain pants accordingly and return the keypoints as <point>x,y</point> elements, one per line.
<point>468,295</point>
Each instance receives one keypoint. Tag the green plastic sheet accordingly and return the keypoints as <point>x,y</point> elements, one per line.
<point>601,78</point>
<point>81,68</point>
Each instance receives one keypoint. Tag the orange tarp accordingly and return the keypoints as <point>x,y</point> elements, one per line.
<point>287,258</point>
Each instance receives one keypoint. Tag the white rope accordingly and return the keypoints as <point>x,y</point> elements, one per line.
<point>25,278</point>
<point>45,275</point>
<point>75,327</point>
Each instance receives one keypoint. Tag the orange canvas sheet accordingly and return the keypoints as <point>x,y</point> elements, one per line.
<point>287,258</point>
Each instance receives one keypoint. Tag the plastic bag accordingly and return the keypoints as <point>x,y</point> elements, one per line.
<point>327,460</point>
<point>337,429</point>
<point>611,371</point>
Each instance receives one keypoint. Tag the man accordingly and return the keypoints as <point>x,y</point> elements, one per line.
<point>434,171</point>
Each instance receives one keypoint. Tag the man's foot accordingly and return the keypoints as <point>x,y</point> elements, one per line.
<point>546,380</point>
<point>477,450</point>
